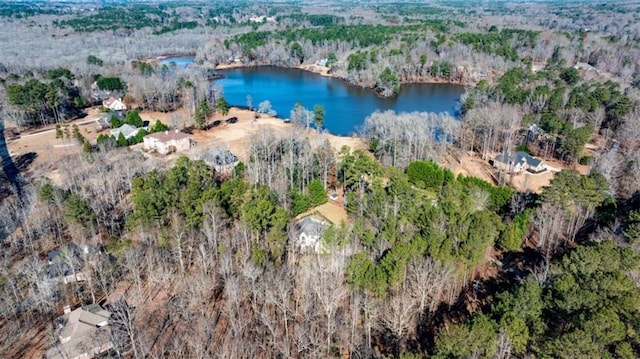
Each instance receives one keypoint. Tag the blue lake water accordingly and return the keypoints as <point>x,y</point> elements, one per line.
<point>346,106</point>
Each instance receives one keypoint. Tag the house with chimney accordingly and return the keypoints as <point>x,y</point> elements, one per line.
<point>167,142</point>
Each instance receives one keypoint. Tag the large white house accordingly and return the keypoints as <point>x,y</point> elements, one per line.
<point>114,104</point>
<point>167,142</point>
<point>518,162</point>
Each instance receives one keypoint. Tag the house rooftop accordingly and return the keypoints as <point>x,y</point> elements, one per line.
<point>126,130</point>
<point>167,136</point>
<point>518,157</point>
<point>109,101</point>
<point>219,157</point>
<point>82,332</point>
<point>584,66</point>
<point>312,226</point>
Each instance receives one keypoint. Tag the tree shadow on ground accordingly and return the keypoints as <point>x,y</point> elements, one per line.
<point>12,182</point>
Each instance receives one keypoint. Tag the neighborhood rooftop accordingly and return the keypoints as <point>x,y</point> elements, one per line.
<point>126,130</point>
<point>312,226</point>
<point>518,157</point>
<point>167,136</point>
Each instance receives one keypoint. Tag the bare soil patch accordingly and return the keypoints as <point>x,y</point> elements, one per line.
<point>334,211</point>
<point>469,165</point>
<point>237,137</point>
<point>47,147</point>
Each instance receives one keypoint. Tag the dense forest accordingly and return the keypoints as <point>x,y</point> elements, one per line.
<point>197,261</point>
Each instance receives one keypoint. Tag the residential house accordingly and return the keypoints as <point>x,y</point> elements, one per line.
<point>102,123</point>
<point>310,232</point>
<point>221,159</point>
<point>82,333</point>
<point>99,95</point>
<point>167,142</point>
<point>322,62</point>
<point>126,130</point>
<point>114,104</point>
<point>518,162</point>
<point>65,264</point>
<point>261,19</point>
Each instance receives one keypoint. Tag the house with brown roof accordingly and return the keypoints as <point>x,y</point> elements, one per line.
<point>167,142</point>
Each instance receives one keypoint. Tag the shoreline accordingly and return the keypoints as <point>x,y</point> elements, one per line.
<point>318,70</point>
<point>325,72</point>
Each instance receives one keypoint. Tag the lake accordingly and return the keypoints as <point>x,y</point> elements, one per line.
<point>180,61</point>
<point>346,106</point>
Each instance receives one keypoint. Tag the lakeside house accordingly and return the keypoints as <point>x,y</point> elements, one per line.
<point>518,162</point>
<point>310,232</point>
<point>167,142</point>
<point>82,333</point>
<point>126,130</point>
<point>114,104</point>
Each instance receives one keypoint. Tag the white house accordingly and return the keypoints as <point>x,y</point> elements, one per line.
<point>126,130</point>
<point>167,142</point>
<point>310,232</point>
<point>518,162</point>
<point>82,333</point>
<point>114,104</point>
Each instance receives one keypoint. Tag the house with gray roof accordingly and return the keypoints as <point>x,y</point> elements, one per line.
<point>518,162</point>
<point>310,232</point>
<point>64,265</point>
<point>221,159</point>
<point>82,333</point>
<point>126,130</point>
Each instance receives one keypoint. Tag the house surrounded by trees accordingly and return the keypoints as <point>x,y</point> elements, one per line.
<point>114,104</point>
<point>83,333</point>
<point>518,162</point>
<point>310,231</point>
